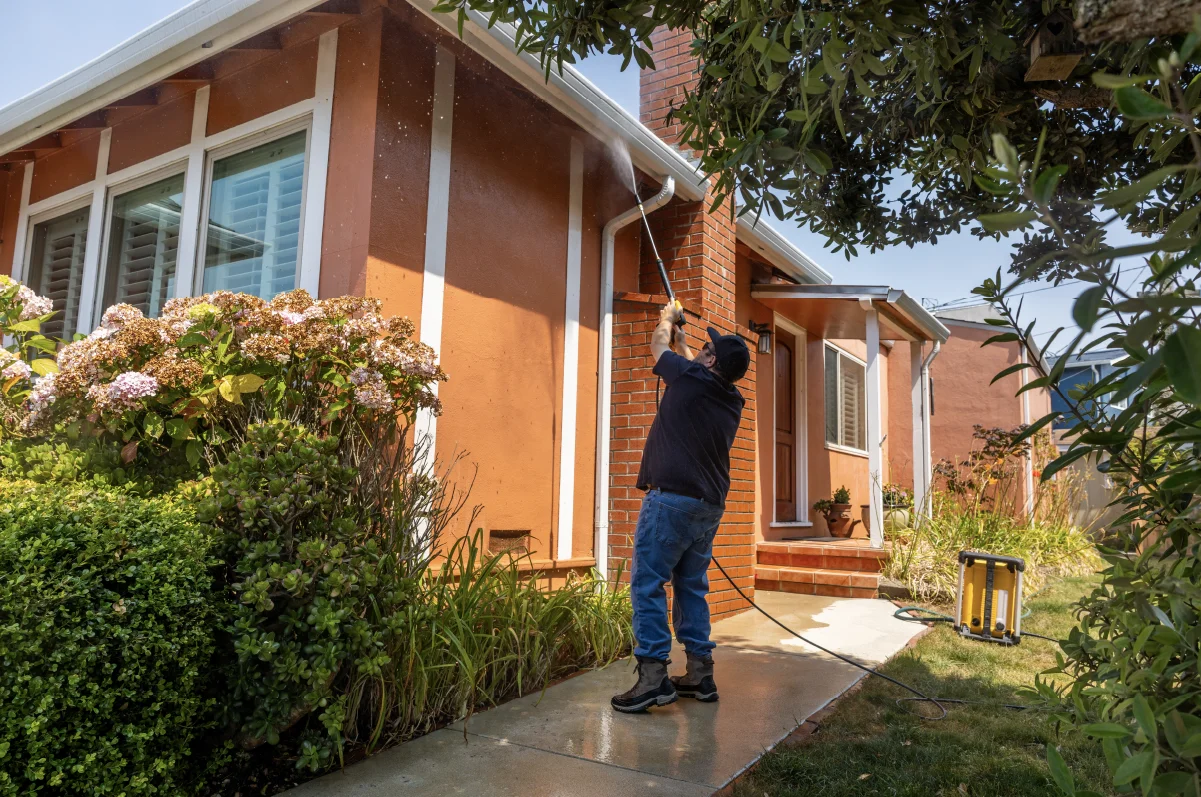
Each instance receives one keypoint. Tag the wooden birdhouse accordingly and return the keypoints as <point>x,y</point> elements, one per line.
<point>1054,51</point>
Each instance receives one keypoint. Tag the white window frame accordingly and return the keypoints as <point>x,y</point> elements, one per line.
<point>858,452</point>
<point>116,189</point>
<point>315,112</point>
<point>249,142</point>
<point>800,395</point>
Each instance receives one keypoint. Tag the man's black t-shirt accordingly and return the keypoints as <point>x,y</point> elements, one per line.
<point>688,448</point>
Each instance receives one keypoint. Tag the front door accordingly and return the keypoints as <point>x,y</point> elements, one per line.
<point>786,430</point>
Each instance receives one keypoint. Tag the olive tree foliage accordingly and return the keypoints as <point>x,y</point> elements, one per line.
<point>866,119</point>
<point>1132,663</point>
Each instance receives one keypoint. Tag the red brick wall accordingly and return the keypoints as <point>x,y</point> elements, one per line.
<point>698,249</point>
<point>664,86</point>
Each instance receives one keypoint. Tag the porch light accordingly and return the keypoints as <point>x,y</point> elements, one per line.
<point>764,333</point>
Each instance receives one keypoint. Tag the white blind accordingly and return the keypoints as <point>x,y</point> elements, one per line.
<point>56,269</point>
<point>144,246</point>
<point>253,234</point>
<point>846,401</point>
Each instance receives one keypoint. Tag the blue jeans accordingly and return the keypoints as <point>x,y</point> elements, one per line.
<point>673,542</point>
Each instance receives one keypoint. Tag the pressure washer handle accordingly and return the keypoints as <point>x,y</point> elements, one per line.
<point>671,295</point>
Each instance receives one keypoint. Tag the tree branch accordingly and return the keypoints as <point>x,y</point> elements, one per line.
<point>1126,20</point>
<point>1081,97</point>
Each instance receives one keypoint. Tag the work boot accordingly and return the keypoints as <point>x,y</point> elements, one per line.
<point>654,688</point>
<point>698,681</point>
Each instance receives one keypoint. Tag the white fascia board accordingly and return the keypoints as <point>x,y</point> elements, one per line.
<point>783,253</point>
<point>158,52</point>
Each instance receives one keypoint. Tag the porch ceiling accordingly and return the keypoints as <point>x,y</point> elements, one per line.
<point>838,312</point>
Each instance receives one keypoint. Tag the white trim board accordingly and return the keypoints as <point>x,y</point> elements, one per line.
<point>571,351</point>
<point>437,224</point>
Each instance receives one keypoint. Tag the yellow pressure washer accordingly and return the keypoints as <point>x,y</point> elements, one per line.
<point>988,605</point>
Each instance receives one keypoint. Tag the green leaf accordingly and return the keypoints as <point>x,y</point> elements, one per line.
<point>778,52</point>
<point>1013,369</point>
<point>1182,358</point>
<point>43,366</point>
<point>246,383</point>
<point>1060,772</point>
<point>32,325</point>
<point>717,71</point>
<point>1131,768</point>
<point>1088,306</point>
<point>1047,182</point>
<point>1007,222</point>
<point>1137,104</point>
<point>1145,717</point>
<point>796,115</point>
<point>1056,465</point>
<point>193,339</point>
<point>153,424</point>
<point>1107,81</point>
<point>1104,730</point>
<point>1127,194</point>
<point>192,451</point>
<point>818,161</point>
<point>178,429</point>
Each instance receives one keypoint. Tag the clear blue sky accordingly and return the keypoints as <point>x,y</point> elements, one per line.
<point>47,40</point>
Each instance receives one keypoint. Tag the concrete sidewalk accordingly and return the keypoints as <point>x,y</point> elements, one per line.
<point>568,742</point>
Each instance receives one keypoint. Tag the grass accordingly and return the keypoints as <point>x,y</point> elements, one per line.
<point>870,746</point>
<point>926,561</point>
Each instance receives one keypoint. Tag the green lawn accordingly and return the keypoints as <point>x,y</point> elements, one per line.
<point>869,745</point>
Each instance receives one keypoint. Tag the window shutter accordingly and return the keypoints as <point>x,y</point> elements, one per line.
<point>144,246</point>
<point>253,238</point>
<point>833,402</point>
<point>854,397</point>
<point>56,269</point>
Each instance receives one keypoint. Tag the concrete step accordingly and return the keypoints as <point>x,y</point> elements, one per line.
<point>817,581</point>
<point>830,556</point>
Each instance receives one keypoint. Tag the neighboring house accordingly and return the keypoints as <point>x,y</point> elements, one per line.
<point>963,397</point>
<point>1098,490</point>
<point>361,146</point>
<point>1084,370</point>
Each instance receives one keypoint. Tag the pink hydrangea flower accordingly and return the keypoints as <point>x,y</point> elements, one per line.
<point>33,306</point>
<point>289,317</point>
<point>129,388</point>
<point>119,315</point>
<point>18,368</point>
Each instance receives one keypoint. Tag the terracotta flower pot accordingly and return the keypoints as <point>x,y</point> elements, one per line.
<point>838,519</point>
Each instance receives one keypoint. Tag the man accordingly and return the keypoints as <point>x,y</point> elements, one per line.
<point>686,475</point>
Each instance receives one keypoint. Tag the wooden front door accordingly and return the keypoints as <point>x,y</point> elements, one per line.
<point>786,431</point>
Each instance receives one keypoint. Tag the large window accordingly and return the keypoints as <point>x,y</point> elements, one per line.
<point>846,401</point>
<point>252,238</point>
<point>144,246</point>
<point>56,268</point>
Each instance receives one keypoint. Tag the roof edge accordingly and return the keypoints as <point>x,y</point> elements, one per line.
<point>768,239</point>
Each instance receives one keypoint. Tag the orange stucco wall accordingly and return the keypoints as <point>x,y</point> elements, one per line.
<point>962,397</point>
<point>10,202</point>
<point>153,132</point>
<point>267,85</point>
<point>65,168</point>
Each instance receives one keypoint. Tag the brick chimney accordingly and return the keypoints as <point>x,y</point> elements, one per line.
<point>663,87</point>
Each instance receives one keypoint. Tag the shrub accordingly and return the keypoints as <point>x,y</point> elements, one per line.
<point>303,572</point>
<point>21,314</point>
<point>107,621</point>
<point>196,377</point>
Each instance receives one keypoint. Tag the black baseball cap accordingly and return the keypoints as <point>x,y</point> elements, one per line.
<point>733,357</point>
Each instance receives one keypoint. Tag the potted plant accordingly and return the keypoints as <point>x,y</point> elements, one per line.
<point>898,503</point>
<point>837,511</point>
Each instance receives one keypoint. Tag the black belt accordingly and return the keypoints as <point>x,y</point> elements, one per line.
<point>681,492</point>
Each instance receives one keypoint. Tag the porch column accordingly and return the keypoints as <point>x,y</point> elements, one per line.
<point>921,461</point>
<point>875,431</point>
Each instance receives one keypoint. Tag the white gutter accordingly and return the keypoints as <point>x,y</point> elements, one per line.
<point>769,241</point>
<point>604,367</point>
<point>927,454</point>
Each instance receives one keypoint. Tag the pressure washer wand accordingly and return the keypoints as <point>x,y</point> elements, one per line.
<point>671,295</point>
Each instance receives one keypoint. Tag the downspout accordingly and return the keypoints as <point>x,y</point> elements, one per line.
<point>927,455</point>
<point>1029,474</point>
<point>605,368</point>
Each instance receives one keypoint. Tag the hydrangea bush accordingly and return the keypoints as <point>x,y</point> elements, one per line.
<point>209,365</point>
<point>25,356</point>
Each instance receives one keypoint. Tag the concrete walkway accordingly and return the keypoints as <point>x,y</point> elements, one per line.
<point>568,742</point>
